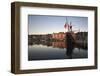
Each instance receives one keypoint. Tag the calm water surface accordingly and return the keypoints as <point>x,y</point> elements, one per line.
<point>56,51</point>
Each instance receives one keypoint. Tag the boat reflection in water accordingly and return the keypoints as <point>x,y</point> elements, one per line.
<point>48,50</point>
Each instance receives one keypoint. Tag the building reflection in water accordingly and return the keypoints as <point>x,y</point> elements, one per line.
<point>57,44</point>
<point>60,45</point>
<point>68,44</point>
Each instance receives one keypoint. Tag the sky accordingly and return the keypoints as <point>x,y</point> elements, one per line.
<point>41,24</point>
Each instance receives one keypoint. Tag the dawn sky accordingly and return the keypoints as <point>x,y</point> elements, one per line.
<point>39,24</point>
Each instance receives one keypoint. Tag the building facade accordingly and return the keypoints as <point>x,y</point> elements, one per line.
<point>59,36</point>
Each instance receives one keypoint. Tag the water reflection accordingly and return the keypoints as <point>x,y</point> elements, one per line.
<point>60,45</point>
<point>70,43</point>
<point>47,50</point>
<point>57,44</point>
